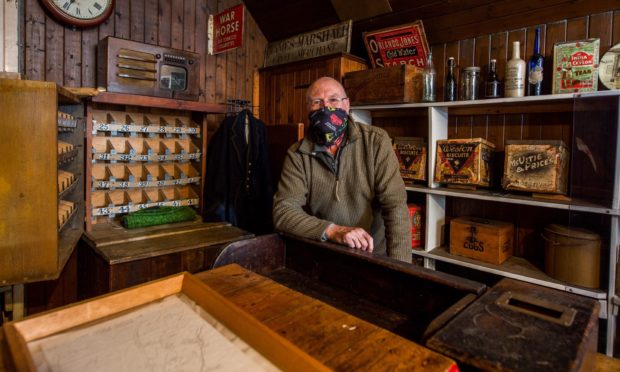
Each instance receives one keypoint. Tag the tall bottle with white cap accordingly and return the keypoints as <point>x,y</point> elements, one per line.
<point>515,73</point>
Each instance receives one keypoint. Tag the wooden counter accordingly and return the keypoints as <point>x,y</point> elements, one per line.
<point>113,259</point>
<point>335,338</point>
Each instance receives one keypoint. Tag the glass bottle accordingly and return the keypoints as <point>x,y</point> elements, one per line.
<point>450,87</point>
<point>535,69</point>
<point>492,85</point>
<point>428,80</point>
<point>515,73</point>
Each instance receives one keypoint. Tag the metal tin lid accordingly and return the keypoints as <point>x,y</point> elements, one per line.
<point>572,232</point>
<point>558,143</point>
<point>472,69</point>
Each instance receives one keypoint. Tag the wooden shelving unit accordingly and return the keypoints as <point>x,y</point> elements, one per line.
<point>143,152</point>
<point>43,179</point>
<point>594,196</point>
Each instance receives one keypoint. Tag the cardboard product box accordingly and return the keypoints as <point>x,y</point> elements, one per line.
<point>537,166</point>
<point>481,239</point>
<point>400,84</point>
<point>464,161</point>
<point>575,66</point>
<point>411,154</point>
<point>519,326</point>
<point>416,216</point>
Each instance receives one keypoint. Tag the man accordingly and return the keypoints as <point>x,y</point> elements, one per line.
<point>341,182</point>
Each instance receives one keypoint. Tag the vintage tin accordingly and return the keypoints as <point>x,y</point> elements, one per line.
<point>536,166</point>
<point>575,66</point>
<point>411,154</point>
<point>416,217</point>
<point>481,239</point>
<point>519,326</point>
<point>573,255</point>
<point>464,161</point>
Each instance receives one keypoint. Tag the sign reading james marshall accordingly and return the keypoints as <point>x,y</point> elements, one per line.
<point>324,41</point>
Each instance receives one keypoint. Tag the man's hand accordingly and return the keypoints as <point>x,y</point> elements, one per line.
<point>354,237</point>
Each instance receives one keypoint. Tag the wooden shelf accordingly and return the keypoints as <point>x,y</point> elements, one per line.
<point>501,196</point>
<point>149,129</point>
<point>68,189</point>
<point>500,105</point>
<point>163,103</point>
<point>514,267</point>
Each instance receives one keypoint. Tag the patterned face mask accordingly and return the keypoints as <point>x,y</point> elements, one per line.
<point>327,125</point>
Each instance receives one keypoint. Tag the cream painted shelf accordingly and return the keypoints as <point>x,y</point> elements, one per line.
<point>606,108</point>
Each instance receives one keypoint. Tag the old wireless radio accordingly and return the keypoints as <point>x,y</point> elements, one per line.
<point>126,66</point>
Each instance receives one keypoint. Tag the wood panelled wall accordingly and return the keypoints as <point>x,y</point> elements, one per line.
<point>478,50</point>
<point>66,56</point>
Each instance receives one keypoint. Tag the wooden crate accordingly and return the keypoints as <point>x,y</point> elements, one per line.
<point>518,326</point>
<point>481,239</point>
<point>275,348</point>
<point>399,84</point>
<point>536,166</point>
<point>466,161</point>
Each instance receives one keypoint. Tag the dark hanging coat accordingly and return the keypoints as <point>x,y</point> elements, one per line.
<point>238,186</point>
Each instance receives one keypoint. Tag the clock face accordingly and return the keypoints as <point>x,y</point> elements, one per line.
<point>81,13</point>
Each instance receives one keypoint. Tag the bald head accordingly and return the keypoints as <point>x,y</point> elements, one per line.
<point>324,88</point>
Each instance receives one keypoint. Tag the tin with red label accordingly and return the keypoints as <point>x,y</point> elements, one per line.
<point>417,226</point>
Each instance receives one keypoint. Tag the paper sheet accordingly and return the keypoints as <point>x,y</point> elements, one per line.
<point>169,335</point>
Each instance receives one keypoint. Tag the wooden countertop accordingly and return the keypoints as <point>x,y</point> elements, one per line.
<point>333,337</point>
<point>118,245</point>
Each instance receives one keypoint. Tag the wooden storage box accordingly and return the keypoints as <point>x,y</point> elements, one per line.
<point>537,166</point>
<point>481,239</point>
<point>97,326</point>
<point>518,326</point>
<point>411,154</point>
<point>464,161</point>
<point>399,84</point>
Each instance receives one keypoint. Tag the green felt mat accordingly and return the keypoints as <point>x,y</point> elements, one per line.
<point>157,216</point>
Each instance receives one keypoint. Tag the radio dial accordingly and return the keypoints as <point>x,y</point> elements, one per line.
<point>158,56</point>
<point>191,62</point>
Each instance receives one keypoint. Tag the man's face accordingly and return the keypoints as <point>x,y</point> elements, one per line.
<point>327,93</point>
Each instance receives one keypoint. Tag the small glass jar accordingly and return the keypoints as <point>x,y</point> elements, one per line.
<point>470,80</point>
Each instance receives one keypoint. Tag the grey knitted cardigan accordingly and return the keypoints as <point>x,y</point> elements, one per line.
<point>367,191</point>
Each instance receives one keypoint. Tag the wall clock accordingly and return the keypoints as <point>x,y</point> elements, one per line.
<point>80,13</point>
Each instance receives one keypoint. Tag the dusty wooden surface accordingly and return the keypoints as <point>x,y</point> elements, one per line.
<point>122,245</point>
<point>335,338</point>
<point>523,327</point>
<point>118,259</point>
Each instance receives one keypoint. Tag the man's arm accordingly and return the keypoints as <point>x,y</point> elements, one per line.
<point>392,196</point>
<point>289,215</point>
<point>290,199</point>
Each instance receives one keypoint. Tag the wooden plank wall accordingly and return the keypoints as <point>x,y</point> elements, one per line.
<point>67,56</point>
<point>478,50</point>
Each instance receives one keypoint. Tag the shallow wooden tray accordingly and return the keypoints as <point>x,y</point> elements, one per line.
<point>279,351</point>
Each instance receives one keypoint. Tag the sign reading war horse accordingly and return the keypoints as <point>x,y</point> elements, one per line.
<point>317,43</point>
<point>400,45</point>
<point>226,30</point>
